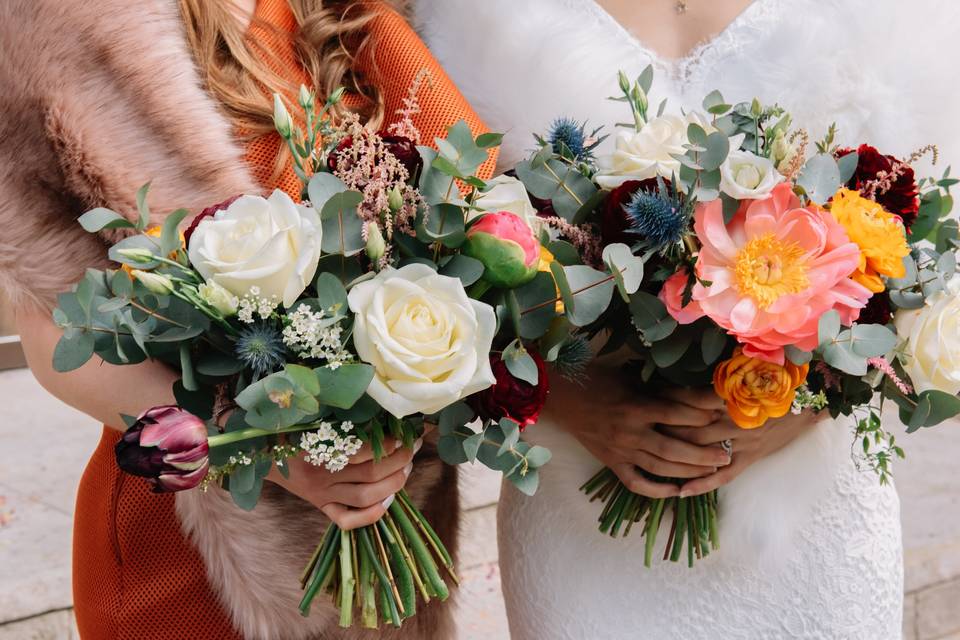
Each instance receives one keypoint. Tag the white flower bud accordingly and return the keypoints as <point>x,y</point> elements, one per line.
<point>136,254</point>
<point>305,98</point>
<point>281,118</point>
<point>218,298</point>
<point>154,282</point>
<point>376,246</point>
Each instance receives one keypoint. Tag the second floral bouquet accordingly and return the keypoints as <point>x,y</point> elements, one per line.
<point>787,276</point>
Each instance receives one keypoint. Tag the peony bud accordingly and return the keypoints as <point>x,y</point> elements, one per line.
<point>281,118</point>
<point>506,246</point>
<point>154,282</point>
<point>395,199</point>
<point>376,246</point>
<point>166,445</point>
<point>218,298</point>
<point>137,254</point>
<point>336,96</point>
<point>305,98</point>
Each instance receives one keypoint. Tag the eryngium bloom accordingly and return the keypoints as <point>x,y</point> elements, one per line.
<point>168,447</point>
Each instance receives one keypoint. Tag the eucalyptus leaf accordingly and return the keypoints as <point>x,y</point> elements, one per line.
<point>848,165</point>
<point>651,317</point>
<point>668,351</point>
<point>527,483</point>
<point>620,260</point>
<point>872,340</point>
<point>143,208</point>
<point>932,408</point>
<point>591,291</point>
<point>345,385</point>
<point>468,270</point>
<point>453,416</point>
<point>100,219</point>
<point>520,364</point>
<point>828,327</point>
<point>797,356</point>
<point>538,307</point>
<point>169,234</point>
<point>322,187</point>
<point>73,350</point>
<point>712,344</point>
<point>820,178</point>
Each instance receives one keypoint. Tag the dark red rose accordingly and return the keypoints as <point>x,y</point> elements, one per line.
<point>206,213</point>
<point>614,221</point>
<point>405,150</point>
<point>877,311</point>
<point>511,397</point>
<point>333,160</point>
<point>902,198</point>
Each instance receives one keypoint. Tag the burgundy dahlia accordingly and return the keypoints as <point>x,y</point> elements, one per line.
<point>877,311</point>
<point>168,447</point>
<point>206,213</point>
<point>901,199</point>
<point>405,150</point>
<point>510,397</point>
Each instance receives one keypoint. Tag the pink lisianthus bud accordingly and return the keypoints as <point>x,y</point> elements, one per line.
<point>166,445</point>
<point>506,246</point>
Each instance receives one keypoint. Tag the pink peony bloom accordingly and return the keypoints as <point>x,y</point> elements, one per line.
<point>774,270</point>
<point>672,296</point>
<point>507,247</point>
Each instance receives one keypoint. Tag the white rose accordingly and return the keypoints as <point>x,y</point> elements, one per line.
<point>428,342</point>
<point>933,349</point>
<point>648,153</point>
<point>745,176</point>
<point>506,193</point>
<point>271,243</point>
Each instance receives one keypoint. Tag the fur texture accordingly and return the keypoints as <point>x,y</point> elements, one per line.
<point>98,99</point>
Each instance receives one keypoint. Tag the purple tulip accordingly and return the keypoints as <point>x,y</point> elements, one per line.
<point>168,446</point>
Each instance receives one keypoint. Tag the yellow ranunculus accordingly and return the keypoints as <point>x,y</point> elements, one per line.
<point>756,390</point>
<point>879,234</point>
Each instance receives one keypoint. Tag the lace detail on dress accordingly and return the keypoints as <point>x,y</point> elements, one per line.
<point>754,19</point>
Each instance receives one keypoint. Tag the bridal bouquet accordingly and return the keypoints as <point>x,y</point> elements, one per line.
<point>402,291</point>
<point>790,278</point>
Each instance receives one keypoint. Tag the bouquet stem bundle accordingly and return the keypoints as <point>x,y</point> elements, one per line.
<point>694,519</point>
<point>387,562</point>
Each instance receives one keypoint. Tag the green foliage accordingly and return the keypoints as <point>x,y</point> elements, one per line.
<point>520,364</point>
<point>820,178</point>
<point>561,183</point>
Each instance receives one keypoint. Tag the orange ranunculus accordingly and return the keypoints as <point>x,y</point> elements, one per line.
<point>755,389</point>
<point>546,258</point>
<point>879,234</point>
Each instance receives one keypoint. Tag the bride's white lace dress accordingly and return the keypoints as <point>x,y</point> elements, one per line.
<point>810,547</point>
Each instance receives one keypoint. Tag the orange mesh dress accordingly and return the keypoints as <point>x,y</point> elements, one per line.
<point>135,577</point>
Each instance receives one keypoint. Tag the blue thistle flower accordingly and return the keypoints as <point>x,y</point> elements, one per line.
<point>569,132</point>
<point>261,348</point>
<point>657,217</point>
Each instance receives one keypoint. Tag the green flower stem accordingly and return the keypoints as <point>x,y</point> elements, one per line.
<point>223,439</point>
<point>323,570</point>
<point>368,594</point>
<point>324,544</point>
<point>389,529</point>
<point>479,289</point>
<point>346,579</point>
<point>402,571</point>
<point>650,531</point>
<point>432,536</point>
<point>420,551</point>
<point>366,549</point>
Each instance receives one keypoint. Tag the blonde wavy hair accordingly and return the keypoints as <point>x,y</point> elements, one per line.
<point>329,36</point>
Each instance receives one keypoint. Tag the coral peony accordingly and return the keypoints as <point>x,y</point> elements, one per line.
<point>770,273</point>
<point>756,390</point>
<point>879,234</point>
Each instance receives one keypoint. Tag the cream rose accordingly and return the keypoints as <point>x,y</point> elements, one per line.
<point>428,342</point>
<point>506,193</point>
<point>648,153</point>
<point>270,243</point>
<point>746,176</point>
<point>933,341</point>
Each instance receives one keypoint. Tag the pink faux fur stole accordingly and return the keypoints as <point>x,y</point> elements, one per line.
<point>96,99</point>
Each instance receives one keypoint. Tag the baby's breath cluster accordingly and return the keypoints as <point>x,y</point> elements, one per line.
<point>329,446</point>
<point>253,304</point>
<point>313,334</point>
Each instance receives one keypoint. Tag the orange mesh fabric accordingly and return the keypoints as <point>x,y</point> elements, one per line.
<point>135,577</point>
<point>393,61</point>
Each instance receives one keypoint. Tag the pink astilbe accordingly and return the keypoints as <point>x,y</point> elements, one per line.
<point>366,165</point>
<point>886,179</point>
<point>411,106</point>
<point>584,237</point>
<point>830,379</point>
<point>881,364</point>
